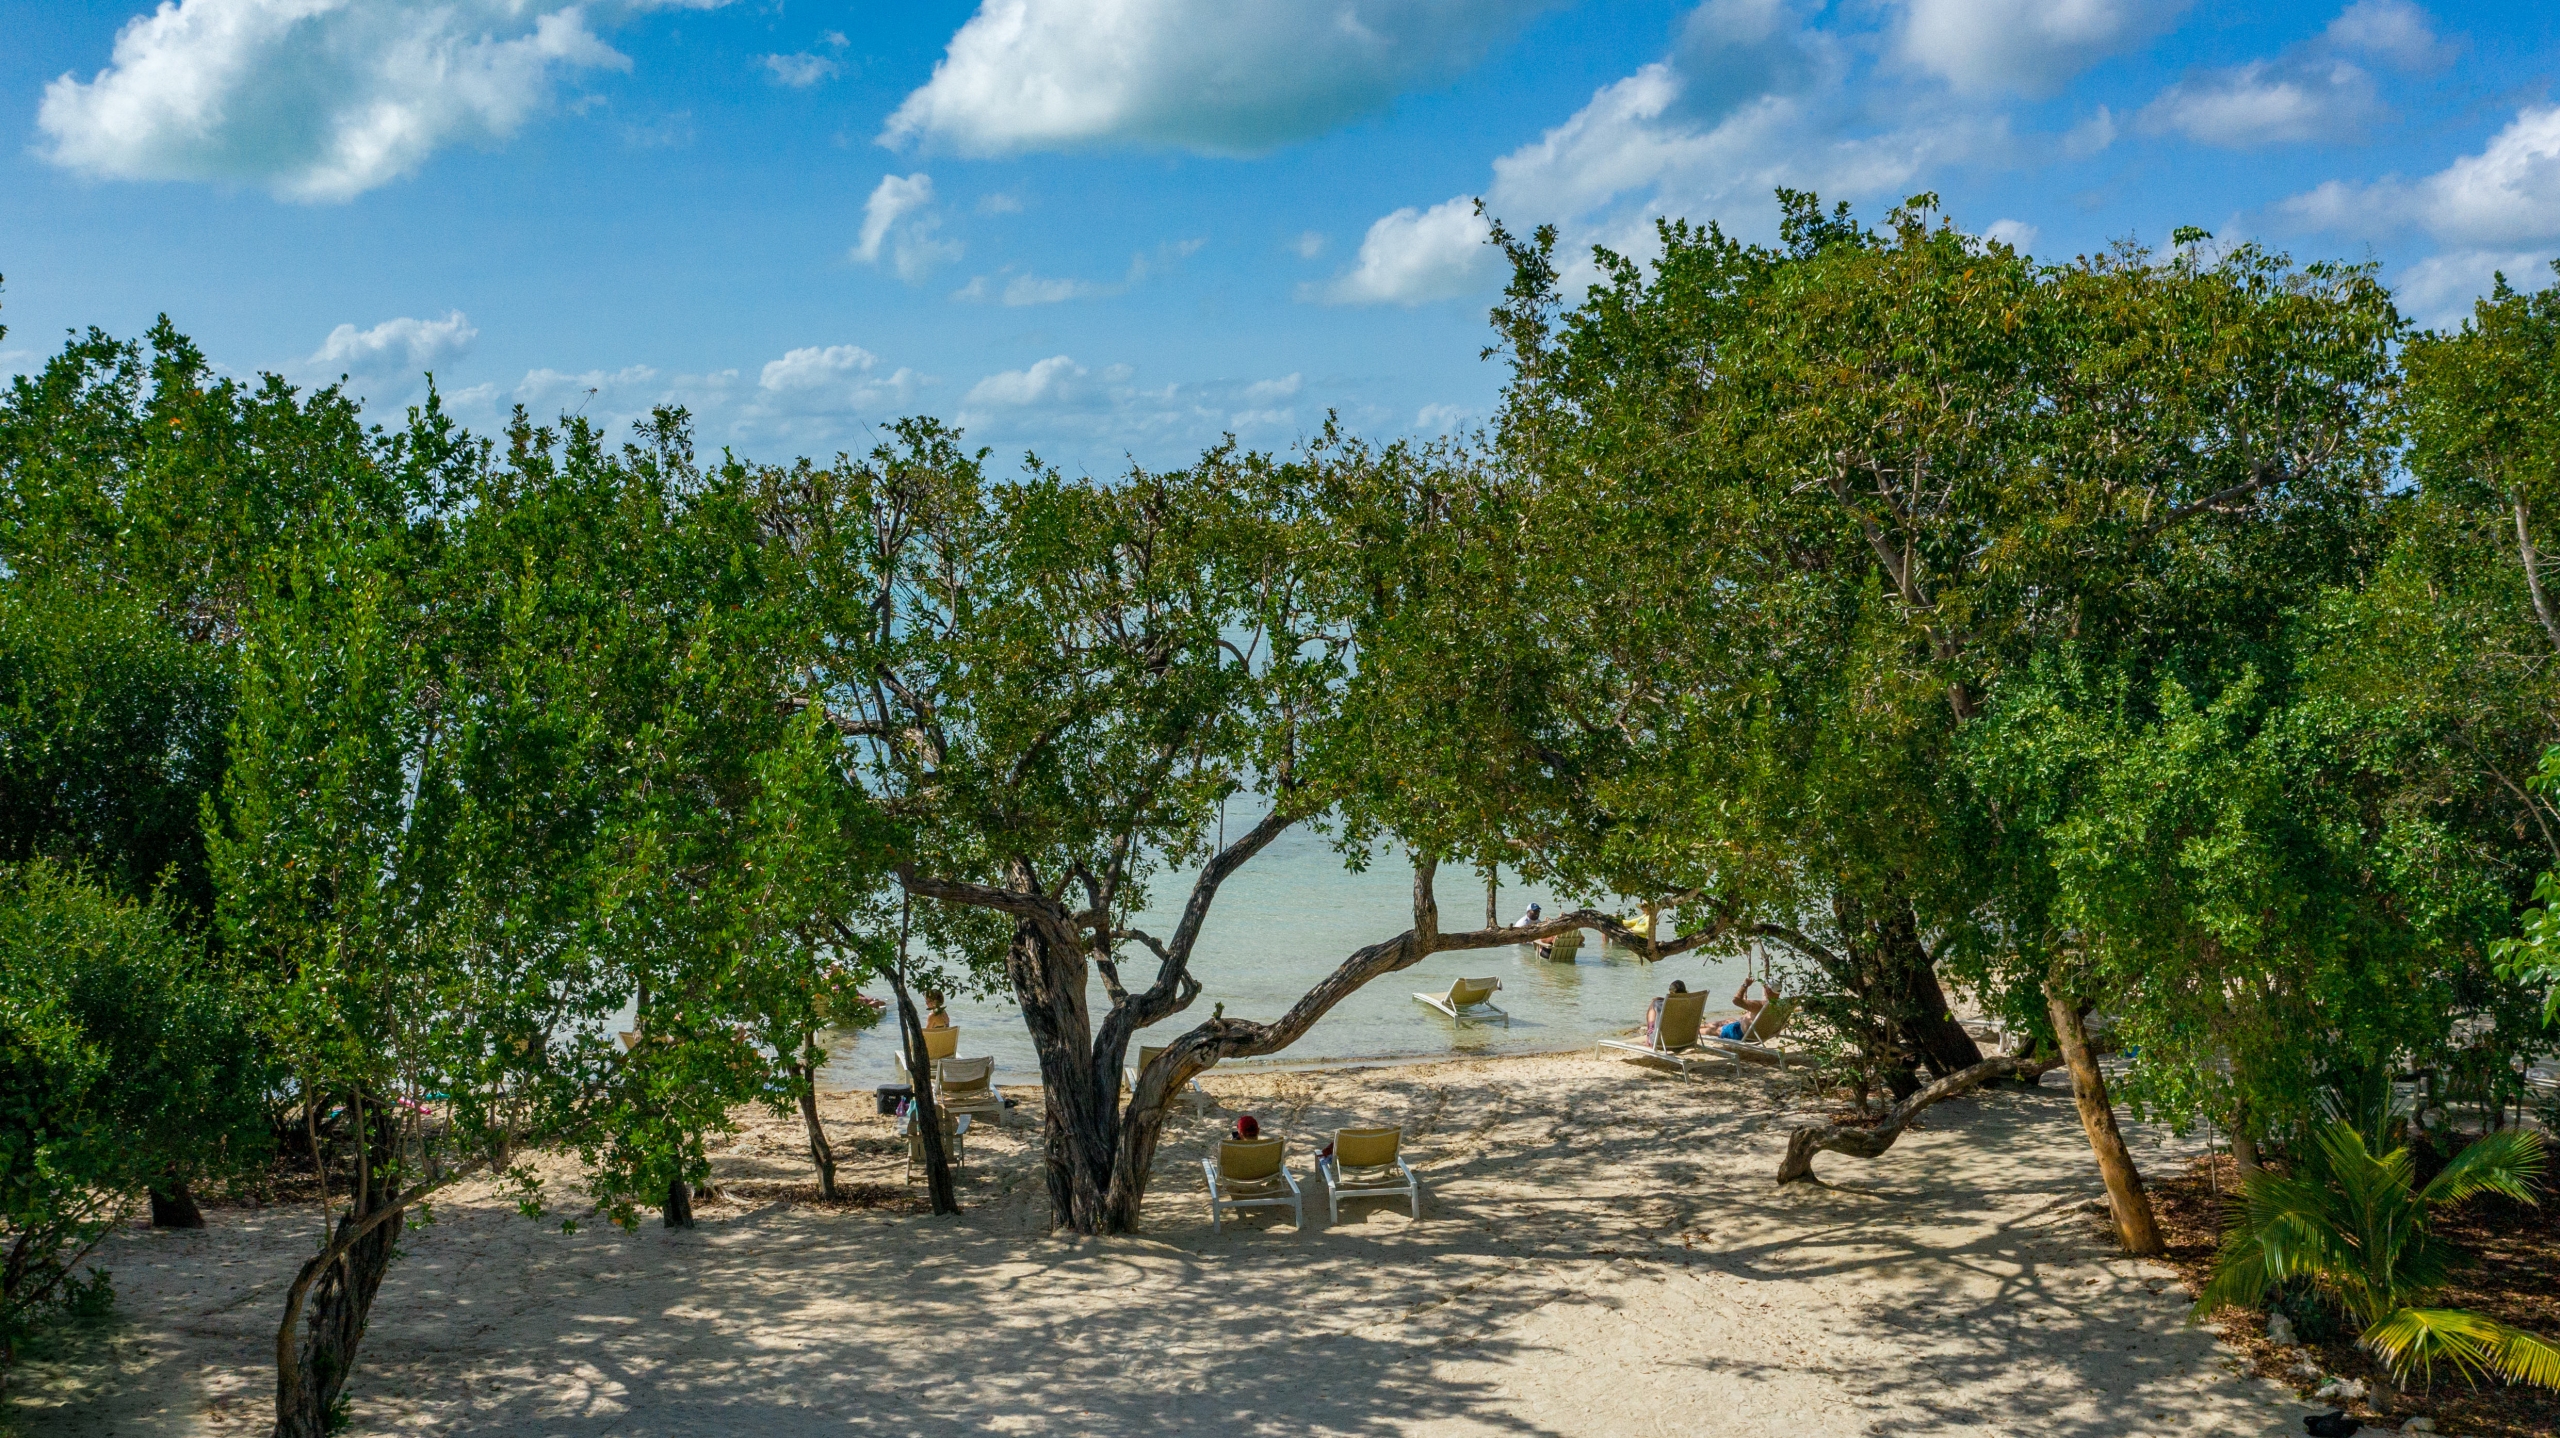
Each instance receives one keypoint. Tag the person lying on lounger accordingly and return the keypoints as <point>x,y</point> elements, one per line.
<point>1741,1028</point>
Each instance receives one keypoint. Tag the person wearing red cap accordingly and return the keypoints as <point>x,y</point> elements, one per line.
<point>1246,1130</point>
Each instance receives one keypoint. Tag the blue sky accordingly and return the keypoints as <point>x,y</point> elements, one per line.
<point>1101,229</point>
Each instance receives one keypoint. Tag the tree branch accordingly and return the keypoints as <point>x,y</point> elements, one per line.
<point>2533,573</point>
<point>1872,1142</point>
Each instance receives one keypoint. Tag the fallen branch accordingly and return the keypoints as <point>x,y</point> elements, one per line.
<point>1804,1143</point>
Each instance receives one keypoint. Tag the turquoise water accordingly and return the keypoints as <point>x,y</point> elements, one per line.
<point>1294,913</point>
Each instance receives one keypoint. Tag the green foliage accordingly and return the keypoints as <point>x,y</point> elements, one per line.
<point>2357,1224</point>
<point>110,738</point>
<point>126,1059</point>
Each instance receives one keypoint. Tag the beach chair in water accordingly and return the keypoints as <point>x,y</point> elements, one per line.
<point>1252,1173</point>
<point>1675,1037</point>
<point>967,1086</point>
<point>1467,999</point>
<point>1758,1037</point>
<point>1368,1163</point>
<point>1563,948</point>
<point>939,1044</point>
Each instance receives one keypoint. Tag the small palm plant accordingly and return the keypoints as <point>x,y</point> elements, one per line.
<point>2359,1227</point>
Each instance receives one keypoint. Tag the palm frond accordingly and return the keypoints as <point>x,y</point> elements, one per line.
<point>2506,1162</point>
<point>2416,1339</point>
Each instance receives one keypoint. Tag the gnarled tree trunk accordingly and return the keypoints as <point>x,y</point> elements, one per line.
<point>173,1205</point>
<point>1805,1142</point>
<point>821,1153</point>
<point>331,1299</point>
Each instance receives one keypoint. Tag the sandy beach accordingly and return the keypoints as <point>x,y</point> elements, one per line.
<point>1601,1251</point>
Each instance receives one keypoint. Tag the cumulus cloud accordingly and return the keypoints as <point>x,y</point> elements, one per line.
<point>2016,234</point>
<point>402,347</point>
<point>2027,47</point>
<point>900,218</point>
<point>1203,75</point>
<point>314,100</point>
<point>2439,290</point>
<point>2266,103</point>
<point>2506,197</point>
<point>1749,99</point>
<point>1024,289</point>
<point>1414,256</point>
<point>2395,32</point>
<point>799,71</point>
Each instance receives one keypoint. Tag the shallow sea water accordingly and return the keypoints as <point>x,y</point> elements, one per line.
<point>1293,914</point>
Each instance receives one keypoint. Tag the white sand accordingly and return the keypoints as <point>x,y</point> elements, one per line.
<point>1601,1251</point>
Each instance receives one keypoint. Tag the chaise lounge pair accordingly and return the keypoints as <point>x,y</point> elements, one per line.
<point>1254,1173</point>
<point>1678,1038</point>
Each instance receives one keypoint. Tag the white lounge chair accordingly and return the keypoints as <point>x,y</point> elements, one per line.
<point>1675,1037</point>
<point>1252,1173</point>
<point>1758,1037</point>
<point>967,1086</point>
<point>1368,1163</point>
<point>1467,999</point>
<point>955,1132</point>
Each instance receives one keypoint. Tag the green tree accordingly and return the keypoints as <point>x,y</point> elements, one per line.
<point>126,1060</point>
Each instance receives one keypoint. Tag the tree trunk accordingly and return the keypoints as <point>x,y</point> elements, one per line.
<point>173,1205</point>
<point>1918,1004</point>
<point>1080,1089</point>
<point>1805,1142</point>
<point>939,1194</point>
<point>1492,895</point>
<point>677,1210</point>
<point>332,1297</point>
<point>2125,1197</point>
<point>821,1153</point>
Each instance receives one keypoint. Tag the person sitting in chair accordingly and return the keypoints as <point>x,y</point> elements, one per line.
<point>1740,1029</point>
<point>934,1017</point>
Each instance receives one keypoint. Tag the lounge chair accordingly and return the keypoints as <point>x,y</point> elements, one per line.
<point>967,1086</point>
<point>1756,1039</point>
<point>1147,1055</point>
<point>1467,999</point>
<point>1675,1037</point>
<point>1564,947</point>
<point>938,1044</point>
<point>955,1132</point>
<point>1252,1173</point>
<point>1366,1163</point>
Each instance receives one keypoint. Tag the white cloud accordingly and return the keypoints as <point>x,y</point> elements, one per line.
<point>1415,256</point>
<point>2027,47</point>
<point>1024,290</point>
<point>1749,99</point>
<point>999,203</point>
<point>1203,75</point>
<point>315,100</point>
<point>2439,290</point>
<point>1053,380</point>
<point>1441,418</point>
<point>394,349</point>
<point>1309,244</point>
<point>2266,102</point>
<point>2393,31</point>
<point>2507,197</point>
<point>1029,289</point>
<point>800,71</point>
<point>900,216</point>
<point>2016,234</point>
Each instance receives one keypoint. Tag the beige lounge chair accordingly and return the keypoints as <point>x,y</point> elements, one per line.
<point>1252,1173</point>
<point>967,1086</point>
<point>1467,999</point>
<point>938,1044</point>
<point>1566,946</point>
<point>1147,1055</point>
<point>955,1133</point>
<point>1368,1163</point>
<point>1675,1037</point>
<point>1756,1040</point>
